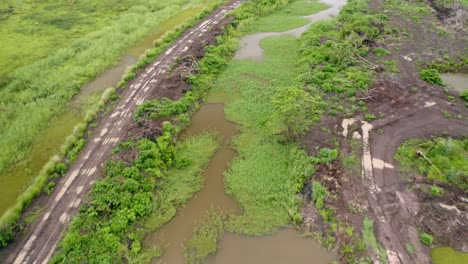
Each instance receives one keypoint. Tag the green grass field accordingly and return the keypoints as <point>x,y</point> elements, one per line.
<point>51,48</point>
<point>262,178</point>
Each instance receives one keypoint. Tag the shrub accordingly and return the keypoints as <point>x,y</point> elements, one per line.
<point>431,76</point>
<point>426,239</point>
<point>370,117</point>
<point>464,95</point>
<point>436,191</point>
<point>319,193</point>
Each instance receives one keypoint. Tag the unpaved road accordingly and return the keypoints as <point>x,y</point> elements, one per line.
<point>39,245</point>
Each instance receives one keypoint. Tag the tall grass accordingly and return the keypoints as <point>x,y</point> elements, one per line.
<point>8,221</point>
<point>9,225</point>
<point>37,92</point>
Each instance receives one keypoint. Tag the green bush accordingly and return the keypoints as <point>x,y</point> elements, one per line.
<point>431,76</point>
<point>436,191</point>
<point>426,239</point>
<point>464,95</point>
<point>370,117</point>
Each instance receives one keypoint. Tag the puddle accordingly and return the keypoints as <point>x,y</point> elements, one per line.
<point>210,117</point>
<point>250,44</point>
<point>457,81</point>
<point>286,246</point>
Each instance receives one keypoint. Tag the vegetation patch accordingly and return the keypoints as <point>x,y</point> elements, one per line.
<point>105,229</point>
<point>440,160</point>
<point>205,239</point>
<point>31,95</point>
<point>432,76</point>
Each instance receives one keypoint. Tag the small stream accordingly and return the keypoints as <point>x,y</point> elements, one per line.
<point>250,44</point>
<point>210,117</point>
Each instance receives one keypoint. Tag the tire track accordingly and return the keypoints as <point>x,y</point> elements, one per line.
<point>40,243</point>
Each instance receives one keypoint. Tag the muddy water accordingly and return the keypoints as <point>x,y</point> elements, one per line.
<point>172,235</point>
<point>15,180</point>
<point>457,81</point>
<point>250,45</point>
<point>286,246</point>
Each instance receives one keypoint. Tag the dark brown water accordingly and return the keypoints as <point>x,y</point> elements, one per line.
<point>175,233</point>
<point>286,246</point>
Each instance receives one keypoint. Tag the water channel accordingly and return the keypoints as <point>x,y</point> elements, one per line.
<point>285,246</point>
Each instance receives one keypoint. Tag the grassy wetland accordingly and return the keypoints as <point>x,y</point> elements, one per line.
<point>45,87</point>
<point>295,130</point>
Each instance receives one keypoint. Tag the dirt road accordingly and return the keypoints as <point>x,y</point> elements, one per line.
<point>39,245</point>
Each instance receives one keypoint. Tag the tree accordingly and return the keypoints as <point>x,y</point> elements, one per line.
<point>297,110</point>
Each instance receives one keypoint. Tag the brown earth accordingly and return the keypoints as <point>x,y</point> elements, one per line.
<point>40,238</point>
<point>406,107</point>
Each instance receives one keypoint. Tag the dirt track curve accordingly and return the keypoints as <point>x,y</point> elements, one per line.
<point>39,245</point>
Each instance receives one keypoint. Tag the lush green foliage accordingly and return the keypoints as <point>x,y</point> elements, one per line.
<point>436,191</point>
<point>431,76</point>
<point>464,95</point>
<point>319,193</point>
<point>33,94</point>
<point>447,155</point>
<point>165,107</point>
<point>426,239</point>
<point>104,226</point>
<point>333,66</point>
<point>296,110</point>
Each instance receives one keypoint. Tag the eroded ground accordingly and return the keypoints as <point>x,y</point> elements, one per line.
<point>405,107</point>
